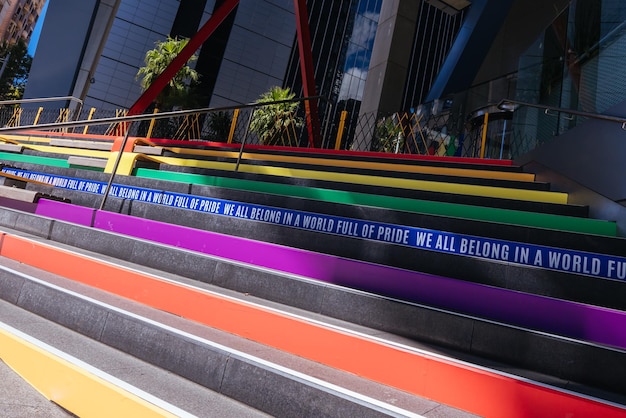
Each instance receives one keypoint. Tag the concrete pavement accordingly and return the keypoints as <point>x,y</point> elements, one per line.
<point>18,399</point>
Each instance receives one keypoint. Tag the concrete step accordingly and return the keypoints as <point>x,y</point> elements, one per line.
<point>61,398</point>
<point>373,185</point>
<point>278,383</point>
<point>489,270</point>
<point>87,161</point>
<point>82,144</point>
<point>19,399</point>
<point>456,332</point>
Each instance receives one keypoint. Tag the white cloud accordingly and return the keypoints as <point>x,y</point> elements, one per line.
<point>353,84</point>
<point>361,40</point>
<point>363,32</point>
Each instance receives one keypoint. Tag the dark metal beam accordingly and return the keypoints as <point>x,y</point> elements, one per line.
<point>177,63</point>
<point>308,73</point>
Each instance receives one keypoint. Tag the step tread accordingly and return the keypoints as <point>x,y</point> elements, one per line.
<point>165,385</point>
<point>87,161</point>
<point>342,379</point>
<point>544,342</point>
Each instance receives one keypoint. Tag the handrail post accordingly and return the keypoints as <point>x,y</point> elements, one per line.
<point>233,124</point>
<point>115,166</point>
<point>329,112</point>
<point>152,122</point>
<point>38,115</point>
<point>89,117</point>
<point>245,138</point>
<point>484,136</point>
<point>342,123</point>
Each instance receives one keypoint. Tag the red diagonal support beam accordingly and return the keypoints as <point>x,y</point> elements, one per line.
<point>178,62</point>
<point>181,59</point>
<point>306,67</point>
<point>308,73</point>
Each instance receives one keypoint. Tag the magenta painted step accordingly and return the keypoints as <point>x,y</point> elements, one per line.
<point>65,212</point>
<point>576,320</point>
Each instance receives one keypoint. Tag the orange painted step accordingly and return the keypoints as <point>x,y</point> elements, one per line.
<point>454,383</point>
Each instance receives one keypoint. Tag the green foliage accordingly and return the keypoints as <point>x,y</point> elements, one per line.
<point>276,123</point>
<point>156,61</point>
<point>15,75</point>
<point>219,126</point>
<point>388,135</point>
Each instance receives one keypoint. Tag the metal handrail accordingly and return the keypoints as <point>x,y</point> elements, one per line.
<point>78,109</point>
<point>151,116</point>
<point>511,105</point>
<point>43,100</point>
<point>145,116</point>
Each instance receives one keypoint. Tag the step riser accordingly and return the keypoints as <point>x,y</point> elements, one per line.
<point>446,216</point>
<point>374,179</point>
<point>544,314</point>
<point>229,373</point>
<point>41,158</point>
<point>506,232</point>
<point>573,287</point>
<point>221,371</point>
<point>504,165</point>
<point>416,172</point>
<point>477,337</point>
<point>83,390</point>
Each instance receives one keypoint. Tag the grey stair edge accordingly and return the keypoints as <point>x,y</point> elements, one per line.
<point>19,399</point>
<point>458,333</point>
<point>20,194</point>
<point>15,148</point>
<point>87,161</point>
<point>227,225</point>
<point>148,150</point>
<point>557,284</point>
<point>81,143</point>
<point>209,192</point>
<point>121,331</point>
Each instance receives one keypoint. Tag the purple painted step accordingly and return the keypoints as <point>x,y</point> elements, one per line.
<point>576,320</point>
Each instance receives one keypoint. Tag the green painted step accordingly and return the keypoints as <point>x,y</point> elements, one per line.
<point>479,213</point>
<point>507,216</point>
<point>33,159</point>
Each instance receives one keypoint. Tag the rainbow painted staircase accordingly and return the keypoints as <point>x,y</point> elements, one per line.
<point>319,283</point>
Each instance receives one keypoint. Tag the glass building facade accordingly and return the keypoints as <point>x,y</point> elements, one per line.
<point>252,51</point>
<point>137,26</point>
<point>434,35</point>
<point>342,40</point>
<point>247,54</point>
<point>575,64</point>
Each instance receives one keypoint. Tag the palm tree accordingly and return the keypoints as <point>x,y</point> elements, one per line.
<point>156,61</point>
<point>388,135</point>
<point>276,123</point>
<point>219,124</point>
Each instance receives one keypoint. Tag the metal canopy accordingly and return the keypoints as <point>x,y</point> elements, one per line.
<point>451,7</point>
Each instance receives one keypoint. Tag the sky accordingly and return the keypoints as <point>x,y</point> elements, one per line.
<point>34,38</point>
<point>360,50</point>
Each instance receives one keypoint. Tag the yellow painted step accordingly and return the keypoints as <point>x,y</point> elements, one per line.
<point>331,162</point>
<point>69,382</point>
<point>431,186</point>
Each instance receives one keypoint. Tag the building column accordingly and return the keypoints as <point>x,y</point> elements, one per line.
<point>388,68</point>
<point>102,22</point>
